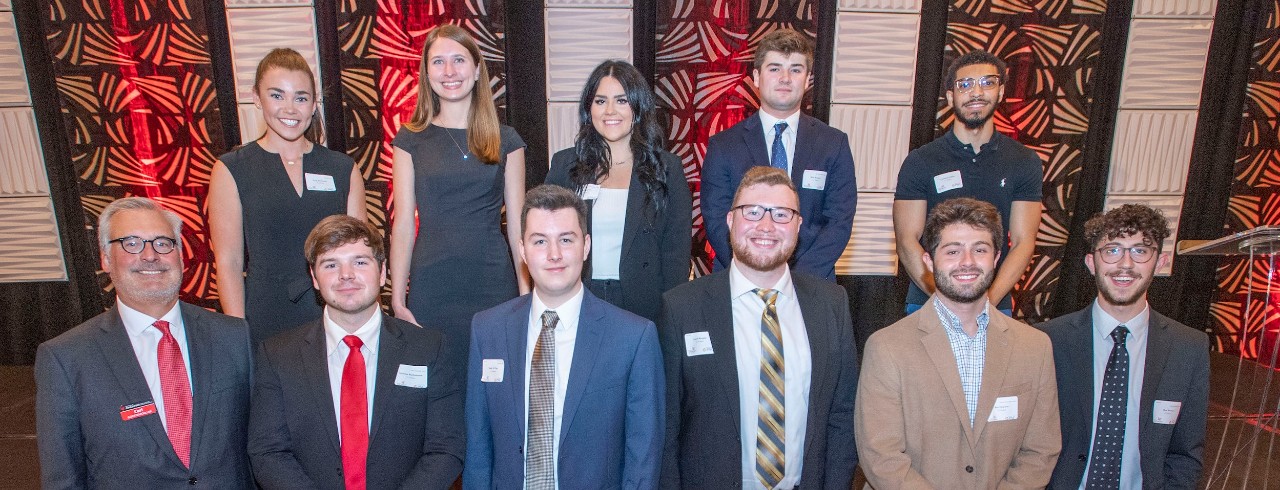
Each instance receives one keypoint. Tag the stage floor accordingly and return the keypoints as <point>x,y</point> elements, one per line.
<point>1232,432</point>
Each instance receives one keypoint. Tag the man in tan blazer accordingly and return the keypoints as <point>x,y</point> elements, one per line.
<point>958,395</point>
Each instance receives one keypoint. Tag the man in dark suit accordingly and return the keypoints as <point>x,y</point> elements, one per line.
<point>745,348</point>
<point>116,406</point>
<point>814,155</point>
<point>590,413</point>
<point>356,399</point>
<point>1127,373</point>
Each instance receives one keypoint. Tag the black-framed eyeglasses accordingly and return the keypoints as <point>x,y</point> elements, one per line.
<point>756,212</point>
<point>966,85</point>
<point>1140,254</point>
<point>134,245</point>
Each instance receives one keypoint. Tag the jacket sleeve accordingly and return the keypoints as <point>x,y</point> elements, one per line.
<point>60,442</point>
<point>840,200</point>
<point>1184,461</point>
<point>270,448</point>
<point>677,232</point>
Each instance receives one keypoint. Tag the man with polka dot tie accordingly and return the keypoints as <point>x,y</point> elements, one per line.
<point>1133,384</point>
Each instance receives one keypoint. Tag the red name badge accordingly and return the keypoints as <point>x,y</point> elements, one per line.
<point>130,412</point>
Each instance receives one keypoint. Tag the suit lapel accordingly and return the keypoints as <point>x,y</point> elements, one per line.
<point>818,326</point>
<point>202,369</point>
<point>390,349</point>
<point>938,347</point>
<point>635,216</point>
<point>116,349</point>
<point>517,330</point>
<point>1158,347</point>
<point>801,154</point>
<point>1079,359</point>
<point>753,138</point>
<point>719,325</point>
<point>995,367</point>
<point>315,368</point>
<point>586,349</point>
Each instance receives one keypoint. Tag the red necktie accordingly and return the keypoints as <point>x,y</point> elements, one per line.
<point>355,416</point>
<point>176,390</point>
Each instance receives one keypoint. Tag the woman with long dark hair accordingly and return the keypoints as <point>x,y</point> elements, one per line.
<point>636,190</point>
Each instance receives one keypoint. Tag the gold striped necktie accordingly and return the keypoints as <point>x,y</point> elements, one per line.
<point>771,430</point>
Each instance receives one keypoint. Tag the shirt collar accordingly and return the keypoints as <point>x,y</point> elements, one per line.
<point>740,285</point>
<point>956,144</point>
<point>1104,323</point>
<point>368,333</point>
<point>951,322</point>
<point>137,322</point>
<point>568,313</point>
<point>768,121</point>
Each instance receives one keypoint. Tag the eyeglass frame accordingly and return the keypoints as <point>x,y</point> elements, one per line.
<point>1127,250</point>
<point>977,83</point>
<point>152,241</point>
<point>767,210</point>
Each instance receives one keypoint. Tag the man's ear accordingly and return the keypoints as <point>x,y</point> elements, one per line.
<point>1088,264</point>
<point>928,262</point>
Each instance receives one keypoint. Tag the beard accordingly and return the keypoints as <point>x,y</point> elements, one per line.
<point>964,294</point>
<point>1137,292</point>
<point>976,120</point>
<point>758,262</point>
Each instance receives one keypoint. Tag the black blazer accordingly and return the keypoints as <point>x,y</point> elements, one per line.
<point>702,447</point>
<point>655,246</point>
<point>417,436</point>
<point>86,376</point>
<point>1177,369</point>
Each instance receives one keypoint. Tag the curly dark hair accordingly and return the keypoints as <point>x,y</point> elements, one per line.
<point>975,57</point>
<point>1127,220</point>
<point>978,214</point>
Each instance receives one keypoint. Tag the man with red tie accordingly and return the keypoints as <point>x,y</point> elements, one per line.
<point>153,393</point>
<point>356,399</point>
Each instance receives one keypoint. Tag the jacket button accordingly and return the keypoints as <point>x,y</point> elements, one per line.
<point>968,469</point>
<point>1082,457</point>
<point>193,480</point>
<point>520,449</point>
<point>646,264</point>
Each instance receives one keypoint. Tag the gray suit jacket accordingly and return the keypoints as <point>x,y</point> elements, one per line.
<point>1177,369</point>
<point>88,375</point>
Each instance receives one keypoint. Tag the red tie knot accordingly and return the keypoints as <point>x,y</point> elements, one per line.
<point>162,326</point>
<point>352,341</point>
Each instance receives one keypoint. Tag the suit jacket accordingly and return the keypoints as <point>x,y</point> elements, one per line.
<point>827,212</point>
<point>655,246</point>
<point>703,440</point>
<point>415,440</point>
<point>1177,369</point>
<point>611,428</point>
<point>86,376</point>
<point>913,423</point>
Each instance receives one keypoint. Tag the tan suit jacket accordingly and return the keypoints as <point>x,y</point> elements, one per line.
<point>912,423</point>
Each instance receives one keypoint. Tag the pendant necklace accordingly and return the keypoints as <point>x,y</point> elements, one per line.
<point>455,142</point>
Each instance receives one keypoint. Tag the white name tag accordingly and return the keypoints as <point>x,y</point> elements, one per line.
<point>590,191</point>
<point>1166,412</point>
<point>697,344</point>
<point>491,370</point>
<point>945,182</point>
<point>412,376</point>
<point>1006,408</point>
<point>814,179</point>
<point>318,182</point>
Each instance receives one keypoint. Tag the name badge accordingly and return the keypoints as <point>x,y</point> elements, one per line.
<point>491,370</point>
<point>318,182</point>
<point>948,181</point>
<point>137,410</point>
<point>412,376</point>
<point>1006,408</point>
<point>697,344</point>
<point>814,179</point>
<point>590,191</point>
<point>1166,412</point>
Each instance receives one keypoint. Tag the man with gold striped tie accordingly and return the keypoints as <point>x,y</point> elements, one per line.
<point>760,360</point>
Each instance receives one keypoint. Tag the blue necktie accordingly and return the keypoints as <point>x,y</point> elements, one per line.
<point>779,157</point>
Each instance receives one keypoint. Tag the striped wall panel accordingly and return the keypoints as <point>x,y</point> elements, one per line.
<point>30,249</point>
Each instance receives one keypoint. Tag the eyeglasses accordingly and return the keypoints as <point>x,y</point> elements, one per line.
<point>1140,254</point>
<point>756,212</point>
<point>134,245</point>
<point>966,85</point>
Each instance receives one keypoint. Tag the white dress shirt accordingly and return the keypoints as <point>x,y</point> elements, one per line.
<point>608,217</point>
<point>788,136</point>
<point>145,340</point>
<point>336,356</point>
<point>1136,344</point>
<point>566,333</point>
<point>748,311</point>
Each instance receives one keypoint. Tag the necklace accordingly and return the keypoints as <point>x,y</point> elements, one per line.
<point>455,142</point>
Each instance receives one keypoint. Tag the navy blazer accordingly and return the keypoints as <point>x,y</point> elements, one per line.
<point>703,439</point>
<point>828,212</point>
<point>1177,369</point>
<point>655,246</point>
<point>86,376</point>
<point>415,438</point>
<point>612,422</point>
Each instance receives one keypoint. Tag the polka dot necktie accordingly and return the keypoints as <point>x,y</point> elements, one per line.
<point>778,153</point>
<point>1108,438</point>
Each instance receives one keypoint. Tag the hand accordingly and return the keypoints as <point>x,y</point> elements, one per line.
<point>402,312</point>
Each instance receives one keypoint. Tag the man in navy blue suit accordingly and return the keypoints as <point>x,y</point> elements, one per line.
<point>814,155</point>
<point>563,389</point>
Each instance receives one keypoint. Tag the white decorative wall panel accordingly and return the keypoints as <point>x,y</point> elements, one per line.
<point>871,249</point>
<point>589,3</point>
<point>879,138</point>
<point>29,245</point>
<point>579,39</point>
<point>912,6</point>
<point>256,31</point>
<point>1152,151</point>
<point>13,73</point>
<point>6,5</point>
<point>1171,206</point>
<point>251,123</point>
<point>875,58</point>
<point>562,126</point>
<point>22,172</point>
<point>231,4</point>
<point>1174,8</point>
<point>1165,62</point>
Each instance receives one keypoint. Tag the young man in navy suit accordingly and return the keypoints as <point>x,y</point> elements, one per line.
<point>357,399</point>
<point>816,157</point>
<point>563,389</point>
<point>1133,385</point>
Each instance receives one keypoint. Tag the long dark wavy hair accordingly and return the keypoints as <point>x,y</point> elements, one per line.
<point>593,157</point>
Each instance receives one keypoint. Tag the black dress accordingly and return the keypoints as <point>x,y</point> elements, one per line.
<point>461,262</point>
<point>277,289</point>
